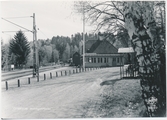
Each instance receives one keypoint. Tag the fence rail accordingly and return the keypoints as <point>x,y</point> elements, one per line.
<point>130,71</point>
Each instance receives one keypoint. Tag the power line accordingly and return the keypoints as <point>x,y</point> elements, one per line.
<point>43,33</point>
<point>17,17</point>
<point>17,25</point>
<point>13,31</point>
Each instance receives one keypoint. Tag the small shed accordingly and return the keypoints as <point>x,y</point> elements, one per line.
<point>76,59</point>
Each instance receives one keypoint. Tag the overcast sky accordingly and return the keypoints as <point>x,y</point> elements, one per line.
<point>52,18</point>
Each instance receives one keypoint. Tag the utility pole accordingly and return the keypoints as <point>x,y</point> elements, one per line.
<point>35,50</point>
<point>83,37</point>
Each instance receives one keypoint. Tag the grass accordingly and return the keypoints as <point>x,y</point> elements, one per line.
<point>118,99</point>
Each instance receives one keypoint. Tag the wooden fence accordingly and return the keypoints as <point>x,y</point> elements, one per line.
<point>130,71</point>
<point>55,74</point>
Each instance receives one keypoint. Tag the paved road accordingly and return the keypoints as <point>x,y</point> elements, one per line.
<point>63,97</point>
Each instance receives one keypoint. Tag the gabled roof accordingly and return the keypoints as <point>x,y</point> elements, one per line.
<point>88,44</point>
<point>94,46</point>
<point>105,47</point>
<point>102,47</point>
<point>76,53</point>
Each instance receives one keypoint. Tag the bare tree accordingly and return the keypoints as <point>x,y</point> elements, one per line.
<point>105,16</point>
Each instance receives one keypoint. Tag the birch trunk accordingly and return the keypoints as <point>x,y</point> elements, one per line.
<point>142,30</point>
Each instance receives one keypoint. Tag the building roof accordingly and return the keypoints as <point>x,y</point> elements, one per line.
<point>88,44</point>
<point>101,47</point>
<point>76,53</point>
<point>126,50</point>
<point>105,47</point>
<point>94,46</point>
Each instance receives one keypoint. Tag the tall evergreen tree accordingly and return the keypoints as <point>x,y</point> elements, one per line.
<point>20,48</point>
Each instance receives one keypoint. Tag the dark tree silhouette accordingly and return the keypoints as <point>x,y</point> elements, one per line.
<point>20,47</point>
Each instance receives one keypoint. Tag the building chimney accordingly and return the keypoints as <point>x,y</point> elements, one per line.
<point>100,36</point>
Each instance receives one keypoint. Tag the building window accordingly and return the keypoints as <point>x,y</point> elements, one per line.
<point>117,60</point>
<point>94,60</point>
<point>114,59</point>
<point>90,60</point>
<point>101,60</point>
<point>105,60</point>
<point>98,60</point>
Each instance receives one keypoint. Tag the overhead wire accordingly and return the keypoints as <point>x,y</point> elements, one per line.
<point>17,17</point>
<point>42,33</point>
<point>16,24</point>
<point>27,30</point>
<point>13,31</point>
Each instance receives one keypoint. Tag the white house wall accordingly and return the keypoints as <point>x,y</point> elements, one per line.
<point>109,61</point>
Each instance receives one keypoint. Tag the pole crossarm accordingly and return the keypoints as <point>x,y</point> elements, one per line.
<point>16,24</point>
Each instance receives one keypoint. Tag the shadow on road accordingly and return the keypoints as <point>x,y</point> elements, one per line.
<point>109,82</point>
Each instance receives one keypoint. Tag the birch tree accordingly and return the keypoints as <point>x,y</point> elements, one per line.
<point>141,25</point>
<point>147,35</point>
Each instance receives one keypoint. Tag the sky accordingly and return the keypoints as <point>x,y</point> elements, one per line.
<point>52,18</point>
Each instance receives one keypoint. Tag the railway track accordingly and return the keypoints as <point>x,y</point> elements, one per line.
<point>15,74</point>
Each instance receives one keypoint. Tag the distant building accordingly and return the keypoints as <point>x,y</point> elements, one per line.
<point>76,59</point>
<point>101,53</point>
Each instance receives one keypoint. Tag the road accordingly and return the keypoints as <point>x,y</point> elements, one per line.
<point>23,75</point>
<point>63,97</point>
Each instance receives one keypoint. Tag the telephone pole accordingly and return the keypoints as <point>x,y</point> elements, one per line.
<point>35,50</point>
<point>83,36</point>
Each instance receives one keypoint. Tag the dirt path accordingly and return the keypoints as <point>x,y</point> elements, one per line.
<point>62,97</point>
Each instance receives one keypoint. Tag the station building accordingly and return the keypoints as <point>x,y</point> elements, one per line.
<point>101,53</point>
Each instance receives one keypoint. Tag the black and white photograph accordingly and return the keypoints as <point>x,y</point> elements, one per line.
<point>80,59</point>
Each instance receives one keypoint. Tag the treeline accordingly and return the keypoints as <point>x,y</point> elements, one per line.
<point>50,51</point>
<point>60,48</point>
